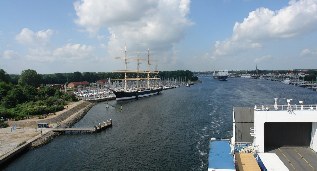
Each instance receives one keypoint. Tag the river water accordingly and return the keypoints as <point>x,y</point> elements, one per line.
<point>170,131</point>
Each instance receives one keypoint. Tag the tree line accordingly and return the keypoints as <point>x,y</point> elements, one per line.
<point>62,78</point>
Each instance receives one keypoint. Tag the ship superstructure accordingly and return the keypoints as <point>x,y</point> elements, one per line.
<point>221,75</point>
<point>269,126</point>
<point>274,137</point>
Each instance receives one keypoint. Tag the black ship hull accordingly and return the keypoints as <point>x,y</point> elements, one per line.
<point>221,75</point>
<point>127,95</point>
<point>222,78</point>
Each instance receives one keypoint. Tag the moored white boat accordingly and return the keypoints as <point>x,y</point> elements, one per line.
<point>286,81</point>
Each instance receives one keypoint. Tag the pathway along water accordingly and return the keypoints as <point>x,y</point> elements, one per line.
<point>170,131</point>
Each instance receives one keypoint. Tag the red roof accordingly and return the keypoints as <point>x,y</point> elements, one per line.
<point>102,81</point>
<point>79,83</point>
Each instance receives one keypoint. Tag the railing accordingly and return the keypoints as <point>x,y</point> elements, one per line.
<point>238,146</point>
<point>285,107</point>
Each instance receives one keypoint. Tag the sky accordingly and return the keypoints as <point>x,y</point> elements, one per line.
<point>200,35</point>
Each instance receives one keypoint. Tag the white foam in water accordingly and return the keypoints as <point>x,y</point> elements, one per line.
<point>202,153</point>
<point>201,165</point>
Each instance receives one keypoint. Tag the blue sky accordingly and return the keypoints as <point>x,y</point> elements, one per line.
<point>200,35</point>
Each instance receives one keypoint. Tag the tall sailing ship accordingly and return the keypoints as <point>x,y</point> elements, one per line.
<point>137,91</point>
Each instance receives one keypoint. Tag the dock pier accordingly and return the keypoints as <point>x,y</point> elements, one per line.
<point>96,128</point>
<point>45,137</point>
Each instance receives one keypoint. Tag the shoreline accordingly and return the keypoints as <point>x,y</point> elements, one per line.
<point>27,136</point>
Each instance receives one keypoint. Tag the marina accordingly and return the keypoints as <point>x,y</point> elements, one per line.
<point>157,132</point>
<point>289,79</point>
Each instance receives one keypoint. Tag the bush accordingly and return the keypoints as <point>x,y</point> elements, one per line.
<point>21,101</point>
<point>5,113</point>
<point>3,124</point>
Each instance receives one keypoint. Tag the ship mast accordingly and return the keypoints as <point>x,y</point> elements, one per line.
<point>126,71</point>
<point>148,68</point>
<point>126,67</point>
<point>138,70</point>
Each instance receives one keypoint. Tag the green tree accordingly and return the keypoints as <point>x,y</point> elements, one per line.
<point>30,77</point>
<point>180,74</point>
<point>90,76</point>
<point>45,92</point>
<point>15,96</point>
<point>4,76</point>
<point>30,92</point>
<point>48,79</point>
<point>60,78</point>
<point>77,76</point>
<point>4,89</point>
<point>14,79</point>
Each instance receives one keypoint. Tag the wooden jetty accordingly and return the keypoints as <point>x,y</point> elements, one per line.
<point>96,128</point>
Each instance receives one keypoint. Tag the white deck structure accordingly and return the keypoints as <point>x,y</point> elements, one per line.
<point>287,133</point>
<point>299,120</point>
<point>272,162</point>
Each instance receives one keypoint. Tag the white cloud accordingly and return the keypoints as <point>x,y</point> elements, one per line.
<point>141,24</point>
<point>40,54</point>
<point>298,18</point>
<point>10,54</point>
<point>230,47</point>
<point>94,14</point>
<point>29,37</point>
<point>67,53</point>
<point>262,59</point>
<point>73,52</point>
<point>36,43</point>
<point>308,52</point>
